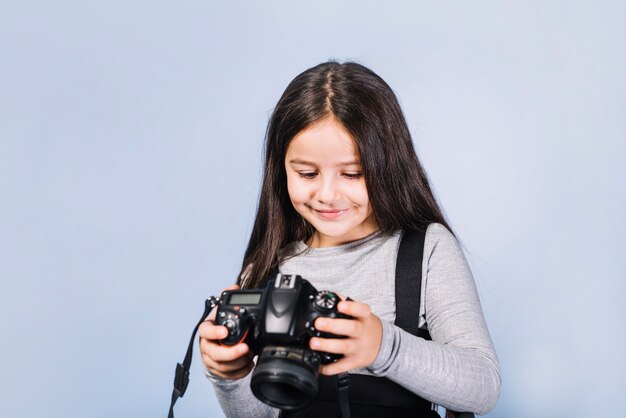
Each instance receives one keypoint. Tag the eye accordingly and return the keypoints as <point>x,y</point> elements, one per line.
<point>307,174</point>
<point>353,176</point>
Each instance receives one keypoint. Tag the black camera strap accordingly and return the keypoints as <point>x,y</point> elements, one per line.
<point>181,378</point>
<point>343,387</point>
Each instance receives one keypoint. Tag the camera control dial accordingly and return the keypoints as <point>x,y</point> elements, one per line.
<point>231,326</point>
<point>326,301</point>
<point>233,323</point>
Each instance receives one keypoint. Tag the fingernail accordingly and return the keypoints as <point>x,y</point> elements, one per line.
<point>315,343</point>
<point>320,322</point>
<point>242,348</point>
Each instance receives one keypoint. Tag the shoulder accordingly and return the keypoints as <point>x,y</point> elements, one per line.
<point>444,259</point>
<point>437,232</point>
<point>439,239</point>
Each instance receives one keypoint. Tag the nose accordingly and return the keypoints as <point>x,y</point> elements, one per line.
<point>327,191</point>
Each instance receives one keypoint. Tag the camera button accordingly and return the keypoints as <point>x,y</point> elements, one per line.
<point>231,326</point>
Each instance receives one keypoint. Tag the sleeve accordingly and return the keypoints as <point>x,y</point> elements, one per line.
<point>459,368</point>
<point>237,400</point>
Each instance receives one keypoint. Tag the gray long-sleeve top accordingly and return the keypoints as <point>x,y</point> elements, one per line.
<point>458,369</point>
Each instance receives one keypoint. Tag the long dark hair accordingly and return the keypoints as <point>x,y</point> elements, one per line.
<point>365,105</point>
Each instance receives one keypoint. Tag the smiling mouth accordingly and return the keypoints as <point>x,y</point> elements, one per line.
<point>330,214</point>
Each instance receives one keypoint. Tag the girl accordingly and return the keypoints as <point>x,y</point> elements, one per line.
<point>341,185</point>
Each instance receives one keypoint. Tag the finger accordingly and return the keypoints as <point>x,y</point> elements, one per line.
<point>210,331</point>
<point>231,352</point>
<point>241,372</point>
<point>337,367</point>
<point>234,374</point>
<point>338,326</point>
<point>332,345</point>
<point>223,352</point>
<point>354,309</point>
<point>228,366</point>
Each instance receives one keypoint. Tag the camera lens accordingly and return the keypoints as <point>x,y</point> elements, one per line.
<point>286,377</point>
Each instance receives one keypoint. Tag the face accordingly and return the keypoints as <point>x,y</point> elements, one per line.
<point>326,184</point>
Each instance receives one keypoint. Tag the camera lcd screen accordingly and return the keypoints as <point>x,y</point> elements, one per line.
<point>244,299</point>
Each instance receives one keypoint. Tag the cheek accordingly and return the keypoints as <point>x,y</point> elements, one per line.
<point>298,193</point>
<point>361,196</point>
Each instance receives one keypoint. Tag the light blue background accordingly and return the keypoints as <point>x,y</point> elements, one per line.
<point>130,143</point>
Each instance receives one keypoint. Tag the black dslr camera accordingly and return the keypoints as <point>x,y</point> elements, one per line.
<point>277,323</point>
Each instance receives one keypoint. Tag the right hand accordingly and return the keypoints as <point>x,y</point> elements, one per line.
<point>227,362</point>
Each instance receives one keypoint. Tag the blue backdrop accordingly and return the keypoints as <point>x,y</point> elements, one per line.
<point>130,158</point>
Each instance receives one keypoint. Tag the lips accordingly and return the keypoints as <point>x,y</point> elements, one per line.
<point>330,214</point>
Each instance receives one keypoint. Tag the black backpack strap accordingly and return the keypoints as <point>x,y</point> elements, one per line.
<point>409,287</point>
<point>409,282</point>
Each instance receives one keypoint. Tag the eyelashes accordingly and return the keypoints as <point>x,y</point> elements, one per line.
<point>309,175</point>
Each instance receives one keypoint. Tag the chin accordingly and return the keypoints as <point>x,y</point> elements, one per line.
<point>342,233</point>
<point>329,229</point>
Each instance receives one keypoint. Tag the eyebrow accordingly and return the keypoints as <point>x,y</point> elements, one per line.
<point>304,162</point>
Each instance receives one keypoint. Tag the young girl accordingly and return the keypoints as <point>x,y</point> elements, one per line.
<point>341,185</point>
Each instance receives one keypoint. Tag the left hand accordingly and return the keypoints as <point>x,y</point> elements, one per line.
<point>363,337</point>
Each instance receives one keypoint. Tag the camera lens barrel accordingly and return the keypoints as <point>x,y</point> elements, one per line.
<point>286,377</point>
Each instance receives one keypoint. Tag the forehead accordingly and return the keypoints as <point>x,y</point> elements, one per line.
<point>325,142</point>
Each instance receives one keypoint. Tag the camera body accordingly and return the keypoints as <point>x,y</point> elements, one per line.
<point>277,323</point>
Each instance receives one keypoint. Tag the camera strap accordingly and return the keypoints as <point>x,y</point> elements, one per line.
<point>343,387</point>
<point>181,377</point>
